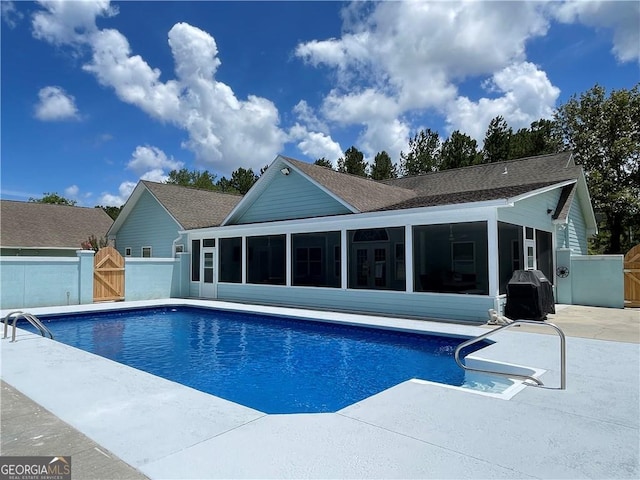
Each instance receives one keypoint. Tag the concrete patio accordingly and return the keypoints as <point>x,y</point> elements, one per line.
<point>117,422</point>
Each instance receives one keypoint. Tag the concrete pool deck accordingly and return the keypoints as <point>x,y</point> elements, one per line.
<point>414,430</point>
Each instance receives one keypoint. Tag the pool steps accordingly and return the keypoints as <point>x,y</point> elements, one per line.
<point>536,381</point>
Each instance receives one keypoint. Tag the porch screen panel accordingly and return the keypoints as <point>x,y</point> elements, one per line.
<point>195,260</point>
<point>510,252</point>
<point>231,260</point>
<point>544,253</point>
<point>266,260</point>
<point>316,259</point>
<point>376,258</point>
<point>451,258</point>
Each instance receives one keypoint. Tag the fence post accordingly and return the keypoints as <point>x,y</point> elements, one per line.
<point>85,276</point>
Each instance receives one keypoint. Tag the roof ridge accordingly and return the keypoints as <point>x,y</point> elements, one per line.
<point>352,175</point>
<point>51,204</point>
<point>191,187</point>
<point>483,165</point>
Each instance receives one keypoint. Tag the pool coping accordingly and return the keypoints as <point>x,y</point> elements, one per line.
<point>152,423</point>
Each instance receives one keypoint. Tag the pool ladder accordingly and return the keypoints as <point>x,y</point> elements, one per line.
<point>29,317</point>
<point>536,382</point>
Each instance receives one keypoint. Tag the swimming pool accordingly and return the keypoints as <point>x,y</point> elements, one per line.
<point>272,364</point>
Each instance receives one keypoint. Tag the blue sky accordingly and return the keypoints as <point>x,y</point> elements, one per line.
<point>97,95</point>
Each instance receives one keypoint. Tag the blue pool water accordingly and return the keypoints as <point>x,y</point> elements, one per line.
<point>275,365</point>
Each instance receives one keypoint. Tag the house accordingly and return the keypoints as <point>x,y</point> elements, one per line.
<point>48,230</point>
<point>151,220</point>
<point>440,245</point>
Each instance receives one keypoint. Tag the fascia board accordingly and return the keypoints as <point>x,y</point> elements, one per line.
<point>539,191</point>
<point>126,209</point>
<point>423,215</point>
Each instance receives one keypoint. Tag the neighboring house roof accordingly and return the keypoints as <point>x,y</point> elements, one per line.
<point>45,225</point>
<point>190,207</point>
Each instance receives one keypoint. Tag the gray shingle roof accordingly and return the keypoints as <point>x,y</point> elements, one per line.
<point>364,194</point>
<point>193,207</point>
<point>532,171</point>
<point>43,225</point>
<point>470,184</point>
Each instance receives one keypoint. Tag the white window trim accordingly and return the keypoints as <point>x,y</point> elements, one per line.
<point>127,251</point>
<point>150,252</point>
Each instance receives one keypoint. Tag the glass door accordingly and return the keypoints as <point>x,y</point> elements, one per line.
<point>208,276</point>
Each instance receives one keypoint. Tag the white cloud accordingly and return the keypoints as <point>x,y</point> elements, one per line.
<point>10,16</point>
<point>398,60</point>
<point>623,17</point>
<point>150,162</point>
<point>133,80</point>
<point>315,144</point>
<point>124,191</point>
<point>69,23</point>
<point>71,191</point>
<point>306,115</point>
<point>527,95</point>
<point>55,104</point>
<point>224,132</point>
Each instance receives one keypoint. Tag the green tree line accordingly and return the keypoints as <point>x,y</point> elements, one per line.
<point>603,131</point>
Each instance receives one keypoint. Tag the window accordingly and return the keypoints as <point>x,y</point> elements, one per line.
<point>127,252</point>
<point>316,259</point>
<point>376,259</point>
<point>231,260</point>
<point>463,257</point>
<point>451,258</point>
<point>266,259</point>
<point>179,248</point>
<point>208,267</point>
<point>531,259</point>
<point>208,243</point>
<point>529,233</point>
<point>195,260</point>
<point>146,252</point>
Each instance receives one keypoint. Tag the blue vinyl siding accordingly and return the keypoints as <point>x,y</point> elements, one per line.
<point>290,197</point>
<point>148,225</point>
<point>577,230</point>
<point>532,211</point>
<point>468,308</point>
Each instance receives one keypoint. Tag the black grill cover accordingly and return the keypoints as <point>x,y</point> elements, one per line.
<point>529,296</point>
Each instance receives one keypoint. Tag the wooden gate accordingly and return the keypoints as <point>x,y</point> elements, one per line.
<point>108,275</point>
<point>632,277</point>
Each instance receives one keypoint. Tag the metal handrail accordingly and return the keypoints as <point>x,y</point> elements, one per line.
<point>538,383</point>
<point>29,317</point>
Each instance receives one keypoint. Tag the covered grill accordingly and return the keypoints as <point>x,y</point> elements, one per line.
<point>529,296</point>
